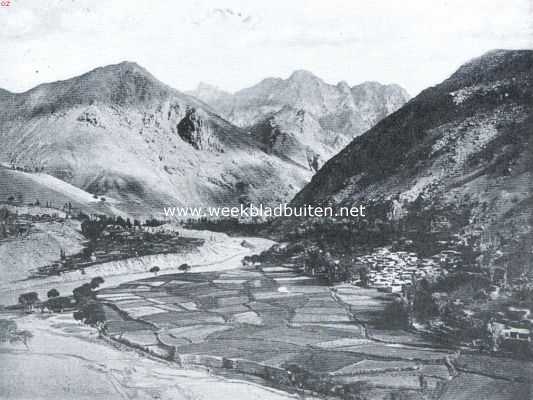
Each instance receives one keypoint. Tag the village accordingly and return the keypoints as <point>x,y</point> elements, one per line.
<point>509,326</point>
<point>392,271</point>
<point>474,309</point>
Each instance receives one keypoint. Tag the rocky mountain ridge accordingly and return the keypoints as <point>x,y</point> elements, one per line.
<point>302,118</point>
<point>118,131</point>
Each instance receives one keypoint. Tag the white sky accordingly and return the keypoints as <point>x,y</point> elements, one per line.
<point>236,43</point>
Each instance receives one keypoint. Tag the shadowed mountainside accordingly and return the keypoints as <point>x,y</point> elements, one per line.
<point>463,147</point>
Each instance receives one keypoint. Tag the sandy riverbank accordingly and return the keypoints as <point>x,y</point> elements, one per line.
<point>66,360</point>
<point>219,252</point>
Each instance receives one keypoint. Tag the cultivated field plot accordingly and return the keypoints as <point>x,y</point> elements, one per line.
<point>265,322</point>
<point>469,386</point>
<point>498,366</point>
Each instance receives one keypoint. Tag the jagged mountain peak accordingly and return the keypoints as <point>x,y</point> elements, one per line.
<point>343,85</point>
<point>124,65</point>
<point>122,84</point>
<point>208,86</point>
<point>391,96</point>
<point>208,93</point>
<point>302,114</point>
<point>123,70</point>
<point>265,85</point>
<point>370,85</point>
<point>303,76</point>
<point>123,76</point>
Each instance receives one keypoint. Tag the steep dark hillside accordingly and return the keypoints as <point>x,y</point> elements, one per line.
<point>464,146</point>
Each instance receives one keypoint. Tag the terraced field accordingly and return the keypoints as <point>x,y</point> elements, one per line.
<point>270,323</point>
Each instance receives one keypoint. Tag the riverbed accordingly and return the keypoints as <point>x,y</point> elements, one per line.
<point>66,360</point>
<point>218,253</point>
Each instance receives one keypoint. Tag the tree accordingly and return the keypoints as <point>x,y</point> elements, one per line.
<point>184,267</point>
<point>96,282</point>
<point>78,315</point>
<point>58,304</point>
<point>424,305</point>
<point>396,314</point>
<point>92,229</point>
<point>363,276</point>
<point>87,252</point>
<point>83,293</point>
<point>52,293</point>
<point>28,300</point>
<point>153,222</point>
<point>93,313</point>
<point>154,270</point>
<point>120,221</point>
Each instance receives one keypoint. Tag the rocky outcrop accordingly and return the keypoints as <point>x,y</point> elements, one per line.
<point>195,131</point>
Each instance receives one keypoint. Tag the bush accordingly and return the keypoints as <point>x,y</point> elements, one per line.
<point>58,304</point>
<point>9,333</point>
<point>184,267</point>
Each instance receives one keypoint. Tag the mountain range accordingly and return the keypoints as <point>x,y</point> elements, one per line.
<point>118,131</point>
<point>302,118</point>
